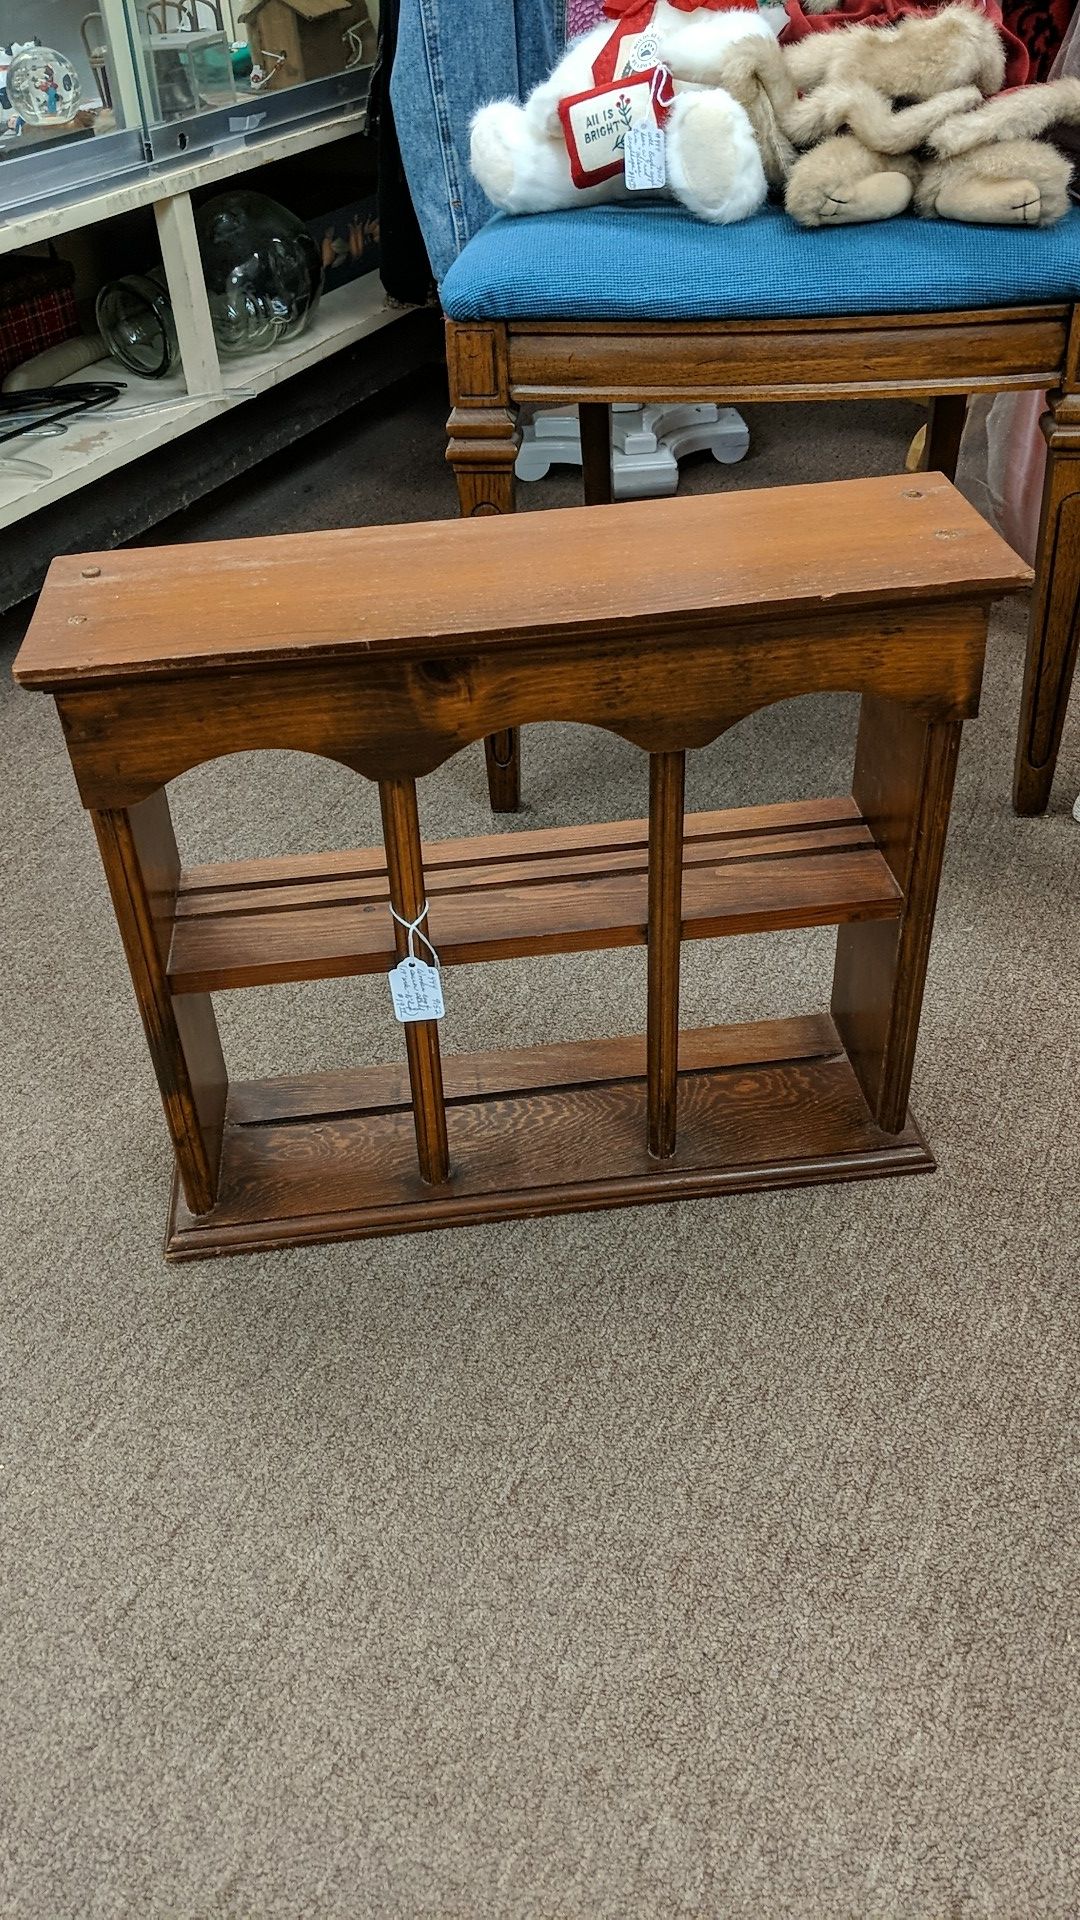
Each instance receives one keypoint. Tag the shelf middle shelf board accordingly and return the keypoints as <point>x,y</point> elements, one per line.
<point>560,890</point>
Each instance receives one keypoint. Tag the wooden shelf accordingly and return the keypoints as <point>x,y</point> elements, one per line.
<point>150,413</point>
<point>325,1157</point>
<point>229,158</point>
<point>162,662</point>
<point>811,863</point>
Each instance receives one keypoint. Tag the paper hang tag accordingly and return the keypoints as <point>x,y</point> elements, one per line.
<point>636,53</point>
<point>644,158</point>
<point>416,990</point>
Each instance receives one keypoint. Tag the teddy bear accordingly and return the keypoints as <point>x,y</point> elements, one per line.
<point>564,147</point>
<point>884,118</point>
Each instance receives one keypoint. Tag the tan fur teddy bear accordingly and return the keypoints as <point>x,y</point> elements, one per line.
<point>887,117</point>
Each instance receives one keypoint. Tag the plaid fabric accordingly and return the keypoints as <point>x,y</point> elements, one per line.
<point>24,275</point>
<point>29,326</point>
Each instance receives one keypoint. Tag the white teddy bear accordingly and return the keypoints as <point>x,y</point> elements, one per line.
<point>520,155</point>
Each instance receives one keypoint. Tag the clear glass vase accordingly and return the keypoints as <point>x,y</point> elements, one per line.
<point>263,271</point>
<point>135,319</point>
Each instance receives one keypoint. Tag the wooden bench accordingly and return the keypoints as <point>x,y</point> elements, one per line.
<point>389,649</point>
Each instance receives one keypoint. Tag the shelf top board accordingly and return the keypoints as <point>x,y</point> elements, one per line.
<point>167,179</point>
<point>678,566</point>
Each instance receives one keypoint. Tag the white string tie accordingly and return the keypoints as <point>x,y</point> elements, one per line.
<point>414,931</point>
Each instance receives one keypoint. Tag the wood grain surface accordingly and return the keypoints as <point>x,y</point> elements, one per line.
<point>568,890</point>
<point>481,1076</point>
<point>392,718</point>
<point>516,1152</point>
<point>498,583</point>
<point>732,361</point>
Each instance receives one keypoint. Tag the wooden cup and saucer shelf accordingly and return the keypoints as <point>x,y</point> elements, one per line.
<point>390,649</point>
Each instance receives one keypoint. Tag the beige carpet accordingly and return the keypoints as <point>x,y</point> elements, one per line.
<point>712,1560</point>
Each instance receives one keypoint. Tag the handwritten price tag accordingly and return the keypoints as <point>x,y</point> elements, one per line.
<point>416,991</point>
<point>644,159</point>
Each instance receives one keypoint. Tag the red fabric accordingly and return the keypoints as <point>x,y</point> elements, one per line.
<point>634,16</point>
<point>617,9</point>
<point>881,13</point>
<point>635,19</point>
<point>32,325</point>
<point>1042,26</point>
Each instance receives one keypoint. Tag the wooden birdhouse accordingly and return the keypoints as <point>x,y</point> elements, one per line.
<point>297,40</point>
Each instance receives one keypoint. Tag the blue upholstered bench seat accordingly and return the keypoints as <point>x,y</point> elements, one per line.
<point>656,262</point>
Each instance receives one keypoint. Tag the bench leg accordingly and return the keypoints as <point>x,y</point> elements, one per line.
<point>904,772</point>
<point>502,754</point>
<point>503,750</point>
<point>1052,638</point>
<point>142,866</point>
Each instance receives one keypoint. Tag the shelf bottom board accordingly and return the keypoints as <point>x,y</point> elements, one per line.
<point>555,1129</point>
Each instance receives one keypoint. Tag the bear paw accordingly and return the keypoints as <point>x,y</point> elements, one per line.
<point>520,170</point>
<point>881,196</point>
<point>496,138</point>
<point>714,166</point>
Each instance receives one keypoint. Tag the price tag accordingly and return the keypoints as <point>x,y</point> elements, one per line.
<point>638,52</point>
<point>416,990</point>
<point>644,159</point>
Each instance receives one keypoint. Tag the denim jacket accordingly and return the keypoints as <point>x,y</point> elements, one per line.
<point>451,57</point>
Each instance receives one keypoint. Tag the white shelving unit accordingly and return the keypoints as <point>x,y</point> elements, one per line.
<point>230,158</point>
<point>39,469</point>
<point>36,471</point>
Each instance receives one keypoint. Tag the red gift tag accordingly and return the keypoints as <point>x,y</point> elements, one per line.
<point>595,124</point>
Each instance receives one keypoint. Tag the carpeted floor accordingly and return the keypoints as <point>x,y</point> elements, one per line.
<point>712,1560</point>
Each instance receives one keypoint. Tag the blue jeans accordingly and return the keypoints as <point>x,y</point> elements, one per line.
<point>452,56</point>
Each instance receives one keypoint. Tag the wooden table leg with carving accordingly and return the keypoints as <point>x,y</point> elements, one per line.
<point>484,438</point>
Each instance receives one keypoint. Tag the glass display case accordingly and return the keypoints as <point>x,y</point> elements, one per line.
<point>69,108</point>
<point>93,93</point>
